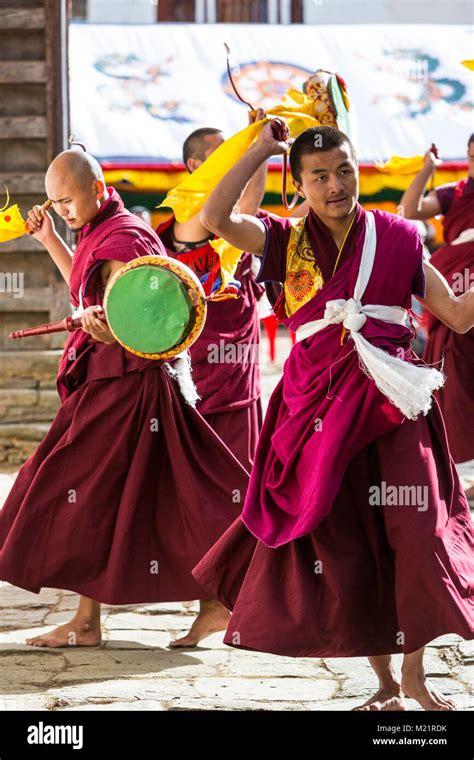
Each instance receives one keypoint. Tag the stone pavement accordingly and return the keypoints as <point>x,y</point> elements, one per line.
<point>134,669</point>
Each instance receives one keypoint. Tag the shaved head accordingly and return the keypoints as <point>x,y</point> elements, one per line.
<point>81,166</point>
<point>199,145</point>
<point>75,185</point>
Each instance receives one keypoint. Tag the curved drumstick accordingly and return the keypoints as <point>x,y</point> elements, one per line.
<point>278,134</point>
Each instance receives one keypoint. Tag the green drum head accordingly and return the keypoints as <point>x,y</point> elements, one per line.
<point>342,114</point>
<point>149,309</point>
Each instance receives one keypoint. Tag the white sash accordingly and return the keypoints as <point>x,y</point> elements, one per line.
<point>406,385</point>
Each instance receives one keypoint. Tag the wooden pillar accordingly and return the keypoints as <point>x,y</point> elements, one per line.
<point>34,124</point>
<point>34,118</point>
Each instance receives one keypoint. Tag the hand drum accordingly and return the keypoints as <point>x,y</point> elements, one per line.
<point>155,307</point>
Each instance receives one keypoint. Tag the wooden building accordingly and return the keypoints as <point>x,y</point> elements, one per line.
<point>33,128</point>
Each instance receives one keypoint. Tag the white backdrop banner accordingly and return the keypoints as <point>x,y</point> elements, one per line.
<point>138,91</point>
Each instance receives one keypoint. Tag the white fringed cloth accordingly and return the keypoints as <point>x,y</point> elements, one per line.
<point>408,386</point>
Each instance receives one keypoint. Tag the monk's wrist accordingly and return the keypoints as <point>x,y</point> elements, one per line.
<point>261,152</point>
<point>53,241</point>
<point>427,171</point>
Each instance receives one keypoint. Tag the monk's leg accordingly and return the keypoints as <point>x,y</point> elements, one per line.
<point>415,685</point>
<point>82,631</point>
<point>212,617</point>
<point>389,695</point>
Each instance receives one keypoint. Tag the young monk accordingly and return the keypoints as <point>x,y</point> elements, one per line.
<point>355,536</point>
<point>455,260</point>
<point>225,356</point>
<point>130,486</point>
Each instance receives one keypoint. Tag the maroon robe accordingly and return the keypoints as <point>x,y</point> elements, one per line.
<point>313,568</point>
<point>455,350</point>
<point>229,388</point>
<point>130,486</point>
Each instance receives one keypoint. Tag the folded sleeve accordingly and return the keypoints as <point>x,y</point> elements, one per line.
<point>418,284</point>
<point>273,265</point>
<point>445,196</point>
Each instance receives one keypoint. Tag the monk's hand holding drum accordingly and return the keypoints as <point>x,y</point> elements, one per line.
<point>40,224</point>
<point>94,322</point>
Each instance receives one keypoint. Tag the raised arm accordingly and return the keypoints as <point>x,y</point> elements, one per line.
<point>252,196</point>
<point>415,204</point>
<point>244,231</point>
<point>457,312</point>
<point>40,224</point>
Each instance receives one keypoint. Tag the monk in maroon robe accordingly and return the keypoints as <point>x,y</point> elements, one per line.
<point>355,537</point>
<point>455,261</point>
<point>130,486</point>
<point>225,360</point>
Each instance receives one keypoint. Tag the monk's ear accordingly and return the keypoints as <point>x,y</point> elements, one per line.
<point>193,164</point>
<point>299,188</point>
<point>99,189</point>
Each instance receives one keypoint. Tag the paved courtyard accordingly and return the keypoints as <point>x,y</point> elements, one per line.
<point>134,669</point>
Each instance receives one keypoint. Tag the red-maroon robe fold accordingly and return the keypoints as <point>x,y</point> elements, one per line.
<point>313,568</point>
<point>456,351</point>
<point>298,471</point>
<point>130,486</point>
<point>225,357</point>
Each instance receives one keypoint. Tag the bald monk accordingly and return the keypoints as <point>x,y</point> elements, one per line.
<point>225,357</point>
<point>130,486</point>
<point>355,537</point>
<point>455,260</point>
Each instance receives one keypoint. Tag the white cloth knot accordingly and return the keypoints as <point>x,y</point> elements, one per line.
<point>408,386</point>
<point>349,312</point>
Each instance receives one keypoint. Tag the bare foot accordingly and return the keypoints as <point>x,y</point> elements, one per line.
<point>386,699</point>
<point>417,687</point>
<point>212,617</point>
<point>72,634</point>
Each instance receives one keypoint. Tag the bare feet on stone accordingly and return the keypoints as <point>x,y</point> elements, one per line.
<point>417,687</point>
<point>212,617</point>
<point>387,699</point>
<point>76,633</point>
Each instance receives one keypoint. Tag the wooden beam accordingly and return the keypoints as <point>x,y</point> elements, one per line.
<point>26,18</point>
<point>23,244</point>
<point>16,72</point>
<point>57,84</point>
<point>23,126</point>
<point>57,87</point>
<point>34,299</point>
<point>18,182</point>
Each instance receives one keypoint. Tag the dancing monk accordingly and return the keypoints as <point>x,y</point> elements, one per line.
<point>225,356</point>
<point>355,537</point>
<point>130,486</point>
<point>455,260</point>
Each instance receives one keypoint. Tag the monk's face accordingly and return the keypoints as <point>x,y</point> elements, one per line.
<point>75,202</point>
<point>330,182</point>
